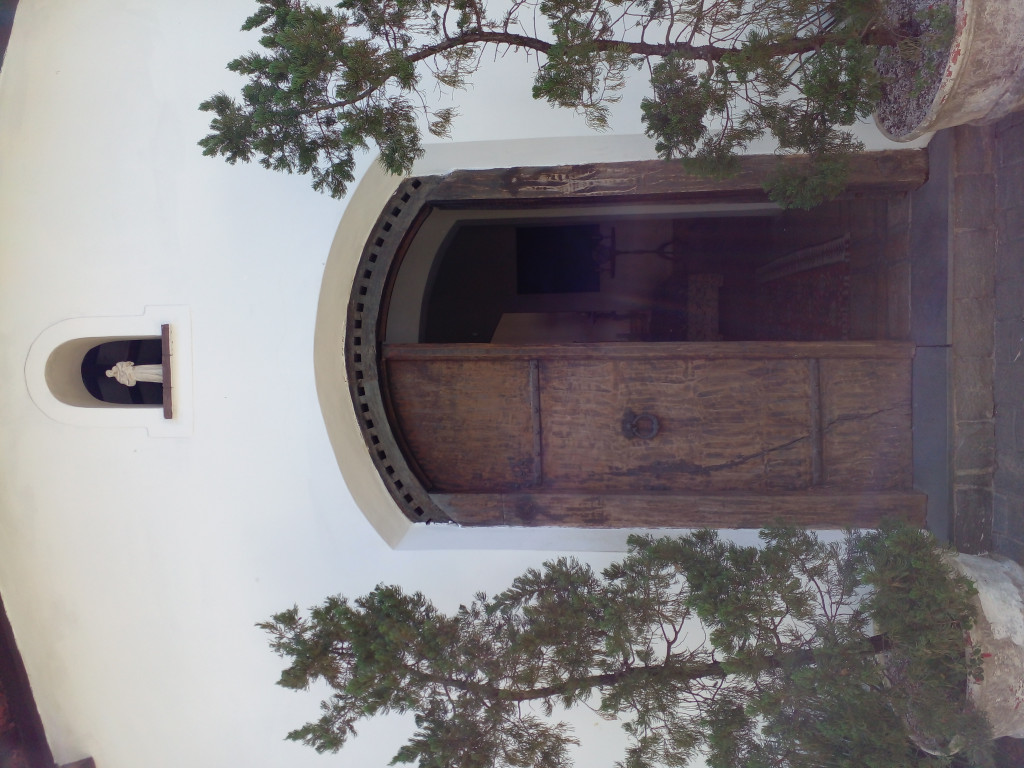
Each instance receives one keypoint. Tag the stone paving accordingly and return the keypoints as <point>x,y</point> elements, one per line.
<point>972,242</point>
<point>1008,348</point>
<point>1008,500</point>
<point>986,311</point>
<point>987,332</point>
<point>983,169</point>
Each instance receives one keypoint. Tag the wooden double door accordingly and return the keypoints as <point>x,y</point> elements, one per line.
<point>729,434</point>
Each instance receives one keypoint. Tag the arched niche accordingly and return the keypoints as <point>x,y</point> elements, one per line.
<point>383,321</point>
<point>100,359</point>
<point>75,372</point>
<point>54,370</point>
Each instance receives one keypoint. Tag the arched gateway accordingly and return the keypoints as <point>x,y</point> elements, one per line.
<point>542,411</point>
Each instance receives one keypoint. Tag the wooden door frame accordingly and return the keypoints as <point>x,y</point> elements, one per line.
<point>574,188</point>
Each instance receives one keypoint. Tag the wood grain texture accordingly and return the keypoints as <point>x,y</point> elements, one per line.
<point>738,437</point>
<point>866,424</point>
<point>816,431</point>
<point>535,420</point>
<point>812,509</point>
<point>724,425</point>
<point>876,172</point>
<point>468,424</point>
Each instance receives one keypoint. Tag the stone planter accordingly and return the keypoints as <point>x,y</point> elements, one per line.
<point>999,633</point>
<point>983,79</point>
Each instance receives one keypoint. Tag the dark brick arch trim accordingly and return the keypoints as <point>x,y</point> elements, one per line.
<point>533,187</point>
<point>382,254</point>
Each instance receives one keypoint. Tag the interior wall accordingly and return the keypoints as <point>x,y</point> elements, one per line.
<point>611,277</point>
<point>420,264</point>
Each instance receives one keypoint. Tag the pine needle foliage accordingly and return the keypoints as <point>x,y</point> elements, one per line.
<point>334,80</point>
<point>748,656</point>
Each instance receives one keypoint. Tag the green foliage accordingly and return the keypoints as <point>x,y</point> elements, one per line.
<point>675,114</point>
<point>317,96</point>
<point>333,81</point>
<point>786,675</point>
<point>821,179</point>
<point>924,610</point>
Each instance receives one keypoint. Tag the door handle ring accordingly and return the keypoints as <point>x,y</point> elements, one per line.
<point>640,425</point>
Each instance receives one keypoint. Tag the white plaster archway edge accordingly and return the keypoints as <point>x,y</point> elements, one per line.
<point>95,330</point>
<point>361,477</point>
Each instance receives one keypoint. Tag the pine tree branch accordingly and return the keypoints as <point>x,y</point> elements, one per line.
<point>709,53</point>
<point>667,672</point>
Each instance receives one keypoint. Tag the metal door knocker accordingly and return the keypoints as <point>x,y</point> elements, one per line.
<point>641,425</point>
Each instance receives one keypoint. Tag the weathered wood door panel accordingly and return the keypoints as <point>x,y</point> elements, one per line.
<point>814,433</point>
<point>469,424</point>
<point>866,417</point>
<point>722,425</point>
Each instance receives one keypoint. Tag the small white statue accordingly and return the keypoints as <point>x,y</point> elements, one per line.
<point>128,373</point>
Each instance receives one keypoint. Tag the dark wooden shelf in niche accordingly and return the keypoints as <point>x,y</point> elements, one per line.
<point>165,361</point>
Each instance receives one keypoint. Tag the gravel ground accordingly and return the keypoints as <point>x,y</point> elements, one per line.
<point>911,72</point>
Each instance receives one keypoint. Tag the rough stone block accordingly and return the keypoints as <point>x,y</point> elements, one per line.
<point>975,446</point>
<point>972,521</point>
<point>1006,440</point>
<point>1010,151</point>
<point>1009,475</point>
<point>973,263</point>
<point>974,195</point>
<point>1009,341</point>
<point>1009,260</point>
<point>972,327</point>
<point>973,149</point>
<point>1018,429</point>
<point>972,388</point>
<point>1004,509</point>
<point>1014,549</point>
<point>1009,189</point>
<point>1008,134</point>
<point>1009,297</point>
<point>980,478</point>
<point>1009,383</point>
<point>1009,122</point>
<point>1010,224</point>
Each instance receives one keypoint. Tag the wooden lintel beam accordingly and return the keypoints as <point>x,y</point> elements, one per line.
<point>884,172</point>
<point>819,508</point>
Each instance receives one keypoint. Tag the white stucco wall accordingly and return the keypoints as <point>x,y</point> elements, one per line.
<point>134,566</point>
